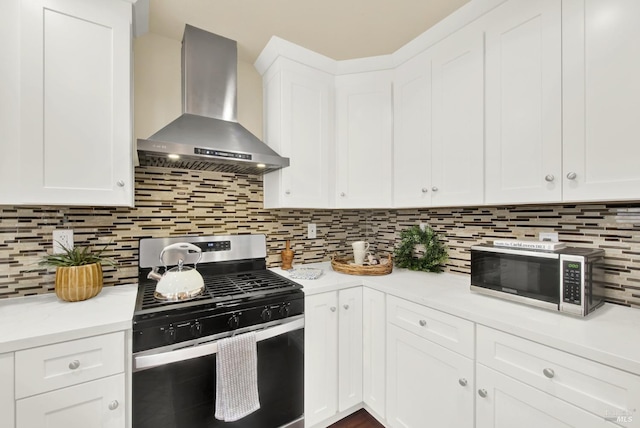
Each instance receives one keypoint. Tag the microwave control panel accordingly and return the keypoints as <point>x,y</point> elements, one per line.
<point>572,282</point>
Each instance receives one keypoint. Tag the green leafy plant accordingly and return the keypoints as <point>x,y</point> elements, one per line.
<point>77,256</point>
<point>435,252</point>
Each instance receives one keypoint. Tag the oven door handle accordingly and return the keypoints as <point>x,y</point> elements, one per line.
<point>142,362</point>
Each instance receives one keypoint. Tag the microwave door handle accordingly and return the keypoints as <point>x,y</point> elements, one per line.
<point>142,362</point>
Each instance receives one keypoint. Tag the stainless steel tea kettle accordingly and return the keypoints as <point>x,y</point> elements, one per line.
<point>180,282</point>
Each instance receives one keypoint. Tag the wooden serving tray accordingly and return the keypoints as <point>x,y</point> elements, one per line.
<point>345,265</point>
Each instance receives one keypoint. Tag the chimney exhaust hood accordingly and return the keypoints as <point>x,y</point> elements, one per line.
<point>207,136</point>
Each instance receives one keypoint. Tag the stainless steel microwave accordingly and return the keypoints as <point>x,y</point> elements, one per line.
<point>567,280</point>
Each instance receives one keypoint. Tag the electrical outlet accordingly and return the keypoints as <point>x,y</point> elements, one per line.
<point>311,231</point>
<point>548,236</point>
<point>62,237</point>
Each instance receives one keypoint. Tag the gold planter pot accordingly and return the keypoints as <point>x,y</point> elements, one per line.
<point>76,283</point>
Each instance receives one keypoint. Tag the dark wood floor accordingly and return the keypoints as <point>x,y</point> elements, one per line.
<point>360,419</point>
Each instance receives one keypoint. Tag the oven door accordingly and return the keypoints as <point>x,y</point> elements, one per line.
<point>176,388</point>
<point>525,276</point>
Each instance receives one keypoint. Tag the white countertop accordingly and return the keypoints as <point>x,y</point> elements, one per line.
<point>31,321</point>
<point>610,335</point>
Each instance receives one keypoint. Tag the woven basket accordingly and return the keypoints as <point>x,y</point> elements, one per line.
<point>76,283</point>
<point>346,265</point>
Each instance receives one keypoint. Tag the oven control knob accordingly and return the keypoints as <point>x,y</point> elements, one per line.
<point>234,321</point>
<point>284,310</point>
<point>169,335</point>
<point>196,329</point>
<point>266,315</point>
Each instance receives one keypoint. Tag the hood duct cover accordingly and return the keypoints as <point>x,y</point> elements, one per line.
<point>207,136</point>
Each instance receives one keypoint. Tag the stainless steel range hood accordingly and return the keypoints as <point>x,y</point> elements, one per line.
<point>208,136</point>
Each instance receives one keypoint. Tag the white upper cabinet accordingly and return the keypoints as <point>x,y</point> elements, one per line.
<point>523,102</point>
<point>457,143</point>
<point>298,124</point>
<point>412,132</point>
<point>10,101</point>
<point>439,124</point>
<point>76,137</point>
<point>363,140</point>
<point>601,94</point>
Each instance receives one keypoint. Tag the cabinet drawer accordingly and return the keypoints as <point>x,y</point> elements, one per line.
<point>63,364</point>
<point>602,390</point>
<point>99,403</point>
<point>446,330</point>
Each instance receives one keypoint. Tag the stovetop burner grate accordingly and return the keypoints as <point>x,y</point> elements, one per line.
<point>224,288</point>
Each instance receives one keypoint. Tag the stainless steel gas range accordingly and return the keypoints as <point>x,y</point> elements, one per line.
<point>175,342</point>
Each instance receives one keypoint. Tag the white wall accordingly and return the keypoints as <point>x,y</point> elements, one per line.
<point>157,87</point>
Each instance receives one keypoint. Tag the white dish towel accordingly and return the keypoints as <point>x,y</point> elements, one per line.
<point>237,377</point>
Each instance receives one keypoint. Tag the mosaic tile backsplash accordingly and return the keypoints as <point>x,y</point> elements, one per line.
<point>180,202</point>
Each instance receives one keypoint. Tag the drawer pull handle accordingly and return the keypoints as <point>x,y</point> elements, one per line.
<point>423,323</point>
<point>462,381</point>
<point>482,393</point>
<point>113,405</point>
<point>120,183</point>
<point>333,308</point>
<point>74,364</point>
<point>549,373</point>
<point>346,306</point>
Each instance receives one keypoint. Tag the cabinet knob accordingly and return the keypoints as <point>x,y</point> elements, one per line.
<point>462,381</point>
<point>74,364</point>
<point>482,393</point>
<point>113,405</point>
<point>333,308</point>
<point>287,192</point>
<point>572,176</point>
<point>343,194</point>
<point>549,178</point>
<point>120,183</point>
<point>346,306</point>
<point>425,190</point>
<point>423,323</point>
<point>434,189</point>
<point>549,373</point>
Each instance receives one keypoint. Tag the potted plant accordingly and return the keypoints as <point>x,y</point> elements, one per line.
<point>78,272</point>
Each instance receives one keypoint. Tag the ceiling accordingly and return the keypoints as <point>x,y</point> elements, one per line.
<point>339,29</point>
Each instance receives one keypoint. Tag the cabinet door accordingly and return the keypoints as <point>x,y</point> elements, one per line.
<point>349,348</point>
<point>427,382</point>
<point>321,357</point>
<point>10,102</point>
<point>412,133</point>
<point>509,403</point>
<point>76,103</point>
<point>363,140</point>
<point>457,65</point>
<point>7,403</point>
<point>299,125</point>
<point>523,107</point>
<point>96,404</point>
<point>374,350</point>
<point>601,95</point>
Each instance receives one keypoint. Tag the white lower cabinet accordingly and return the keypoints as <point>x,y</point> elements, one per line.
<point>333,353</point>
<point>6,391</point>
<point>95,404</point>
<point>428,385</point>
<point>429,367</point>
<point>374,349</point>
<point>603,391</point>
<point>77,383</point>
<point>505,402</point>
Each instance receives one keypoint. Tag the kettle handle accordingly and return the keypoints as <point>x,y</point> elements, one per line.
<point>183,247</point>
